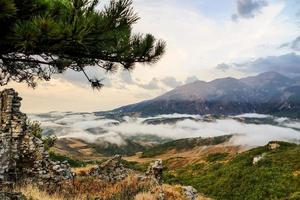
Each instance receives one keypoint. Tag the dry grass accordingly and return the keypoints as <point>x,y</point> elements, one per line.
<point>145,196</point>
<point>33,193</point>
<point>87,188</point>
<point>173,192</point>
<point>83,170</point>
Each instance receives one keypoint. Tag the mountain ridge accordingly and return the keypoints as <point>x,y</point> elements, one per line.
<point>269,92</point>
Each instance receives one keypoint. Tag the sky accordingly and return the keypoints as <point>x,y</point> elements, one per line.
<point>206,39</point>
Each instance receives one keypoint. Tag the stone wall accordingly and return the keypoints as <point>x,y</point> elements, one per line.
<point>22,155</point>
<point>12,128</point>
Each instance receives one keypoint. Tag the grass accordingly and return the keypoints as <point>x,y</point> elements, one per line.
<point>140,167</point>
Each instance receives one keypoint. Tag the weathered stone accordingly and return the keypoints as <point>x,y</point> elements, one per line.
<point>111,170</point>
<point>258,158</point>
<point>155,171</point>
<point>190,193</point>
<point>273,145</point>
<point>22,155</point>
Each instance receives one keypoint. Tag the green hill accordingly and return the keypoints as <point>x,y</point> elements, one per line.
<point>275,176</point>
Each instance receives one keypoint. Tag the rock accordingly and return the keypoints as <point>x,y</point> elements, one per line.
<point>190,193</point>
<point>155,171</point>
<point>258,158</point>
<point>273,145</point>
<point>111,170</point>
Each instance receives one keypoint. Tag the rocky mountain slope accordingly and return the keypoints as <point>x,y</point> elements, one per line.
<point>268,92</point>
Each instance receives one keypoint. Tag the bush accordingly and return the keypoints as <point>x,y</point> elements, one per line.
<point>36,130</point>
<point>73,163</point>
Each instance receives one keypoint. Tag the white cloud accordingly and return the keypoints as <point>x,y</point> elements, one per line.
<point>171,82</point>
<point>78,125</point>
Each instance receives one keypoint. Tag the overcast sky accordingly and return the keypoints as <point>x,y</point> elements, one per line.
<point>206,39</point>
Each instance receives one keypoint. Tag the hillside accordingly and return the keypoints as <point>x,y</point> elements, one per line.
<point>184,145</point>
<point>269,92</point>
<point>77,148</point>
<point>275,176</point>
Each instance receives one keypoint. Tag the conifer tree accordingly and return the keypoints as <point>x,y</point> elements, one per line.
<point>40,38</point>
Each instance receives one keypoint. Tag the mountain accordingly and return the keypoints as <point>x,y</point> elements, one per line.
<point>269,92</point>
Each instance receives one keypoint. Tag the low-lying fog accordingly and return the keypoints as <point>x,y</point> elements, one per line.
<point>249,129</point>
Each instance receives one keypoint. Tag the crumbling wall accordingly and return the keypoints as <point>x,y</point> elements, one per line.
<point>12,128</point>
<point>22,155</point>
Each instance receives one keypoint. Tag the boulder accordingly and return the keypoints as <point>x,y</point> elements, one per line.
<point>273,145</point>
<point>189,192</point>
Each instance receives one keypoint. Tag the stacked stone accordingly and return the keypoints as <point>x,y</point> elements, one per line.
<point>12,124</point>
<point>22,155</point>
<point>111,171</point>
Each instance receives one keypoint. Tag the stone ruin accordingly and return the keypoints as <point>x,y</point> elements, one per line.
<point>111,170</point>
<point>22,155</point>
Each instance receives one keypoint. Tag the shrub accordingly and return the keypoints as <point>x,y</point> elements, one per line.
<point>36,130</point>
<point>73,163</point>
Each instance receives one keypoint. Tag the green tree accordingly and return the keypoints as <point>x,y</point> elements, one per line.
<point>40,38</point>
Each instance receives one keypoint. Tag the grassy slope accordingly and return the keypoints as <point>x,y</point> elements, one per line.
<point>277,176</point>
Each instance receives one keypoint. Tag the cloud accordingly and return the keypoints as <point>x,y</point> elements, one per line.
<point>223,67</point>
<point>171,82</point>
<point>152,85</point>
<point>294,45</point>
<point>94,129</point>
<point>249,8</point>
<point>191,79</point>
<point>126,77</point>
<point>288,64</point>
